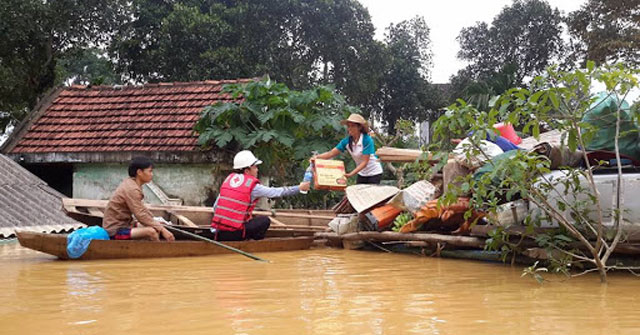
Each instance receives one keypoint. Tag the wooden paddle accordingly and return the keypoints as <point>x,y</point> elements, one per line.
<point>216,243</point>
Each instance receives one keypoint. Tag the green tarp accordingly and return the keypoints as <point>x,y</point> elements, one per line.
<point>603,116</point>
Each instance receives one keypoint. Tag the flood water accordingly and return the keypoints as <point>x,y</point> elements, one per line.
<point>321,291</point>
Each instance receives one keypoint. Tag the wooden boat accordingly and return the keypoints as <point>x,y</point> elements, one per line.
<point>284,223</point>
<point>56,245</point>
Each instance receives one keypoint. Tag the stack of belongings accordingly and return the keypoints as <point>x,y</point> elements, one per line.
<point>599,151</point>
<point>443,218</point>
<point>375,207</point>
<point>358,201</point>
<point>365,197</point>
<point>410,199</point>
<point>548,145</point>
<point>465,159</point>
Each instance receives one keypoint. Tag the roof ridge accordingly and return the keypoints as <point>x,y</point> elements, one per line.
<point>77,87</point>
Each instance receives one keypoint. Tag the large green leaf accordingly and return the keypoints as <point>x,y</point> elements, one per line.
<point>223,138</point>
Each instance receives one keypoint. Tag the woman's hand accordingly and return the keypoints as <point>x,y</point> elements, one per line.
<point>325,155</point>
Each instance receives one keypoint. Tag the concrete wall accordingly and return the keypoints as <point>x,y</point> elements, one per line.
<point>193,183</point>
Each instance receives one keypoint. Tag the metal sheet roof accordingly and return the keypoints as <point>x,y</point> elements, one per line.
<point>28,203</point>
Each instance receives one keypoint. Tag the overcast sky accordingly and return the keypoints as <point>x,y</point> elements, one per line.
<point>445,19</point>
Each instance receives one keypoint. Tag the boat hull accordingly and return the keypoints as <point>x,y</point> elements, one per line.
<point>56,245</point>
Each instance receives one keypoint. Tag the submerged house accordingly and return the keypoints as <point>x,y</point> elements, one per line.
<point>28,203</point>
<point>79,140</point>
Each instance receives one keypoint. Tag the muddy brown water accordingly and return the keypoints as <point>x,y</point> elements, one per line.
<point>322,291</point>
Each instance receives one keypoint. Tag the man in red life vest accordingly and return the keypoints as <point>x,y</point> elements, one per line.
<point>232,219</point>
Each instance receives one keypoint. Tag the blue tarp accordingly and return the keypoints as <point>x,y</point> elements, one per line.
<point>79,240</point>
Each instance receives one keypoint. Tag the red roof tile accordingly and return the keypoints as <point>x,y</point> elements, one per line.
<point>152,117</point>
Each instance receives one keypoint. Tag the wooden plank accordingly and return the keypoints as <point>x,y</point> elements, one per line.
<point>183,219</point>
<point>84,202</point>
<point>70,209</point>
<point>95,212</point>
<point>391,154</point>
<point>277,222</point>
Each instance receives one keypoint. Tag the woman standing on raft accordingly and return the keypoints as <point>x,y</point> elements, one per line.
<point>361,148</point>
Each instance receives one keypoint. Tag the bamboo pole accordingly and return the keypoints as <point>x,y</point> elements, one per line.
<point>460,241</point>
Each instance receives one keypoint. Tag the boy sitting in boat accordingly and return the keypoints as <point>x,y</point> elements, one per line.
<point>232,219</point>
<point>128,200</point>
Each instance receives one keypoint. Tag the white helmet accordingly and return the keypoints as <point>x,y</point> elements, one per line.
<point>245,159</point>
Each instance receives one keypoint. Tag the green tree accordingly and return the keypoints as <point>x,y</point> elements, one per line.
<point>177,41</point>
<point>406,91</point>
<point>522,40</point>
<point>299,43</point>
<point>87,67</point>
<point>606,31</point>
<point>479,92</point>
<point>36,35</point>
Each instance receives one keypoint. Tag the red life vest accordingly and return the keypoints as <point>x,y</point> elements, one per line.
<point>234,204</point>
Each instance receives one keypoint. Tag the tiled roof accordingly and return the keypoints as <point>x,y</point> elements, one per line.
<point>28,203</point>
<point>152,117</point>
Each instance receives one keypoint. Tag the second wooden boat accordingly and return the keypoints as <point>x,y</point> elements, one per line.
<point>90,212</point>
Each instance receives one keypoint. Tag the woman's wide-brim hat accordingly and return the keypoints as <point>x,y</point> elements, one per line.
<point>357,118</point>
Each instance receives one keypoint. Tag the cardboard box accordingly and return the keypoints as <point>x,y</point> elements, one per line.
<point>329,175</point>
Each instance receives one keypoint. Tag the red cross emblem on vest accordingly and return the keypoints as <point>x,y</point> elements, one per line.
<point>236,180</point>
